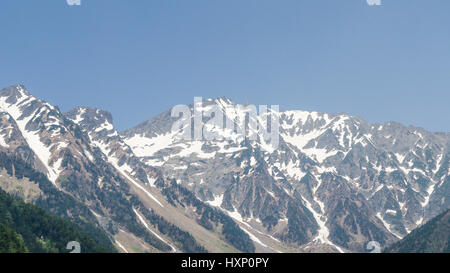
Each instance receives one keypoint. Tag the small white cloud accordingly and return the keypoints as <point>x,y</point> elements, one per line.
<point>374,2</point>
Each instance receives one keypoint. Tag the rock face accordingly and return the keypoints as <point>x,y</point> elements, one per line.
<point>433,237</point>
<point>333,183</point>
<point>79,157</point>
<point>334,179</point>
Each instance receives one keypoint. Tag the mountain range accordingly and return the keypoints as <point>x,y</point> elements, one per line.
<point>334,183</point>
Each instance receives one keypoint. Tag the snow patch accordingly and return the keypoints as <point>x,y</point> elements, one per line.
<point>400,157</point>
<point>323,231</point>
<point>104,126</point>
<point>121,246</point>
<point>388,226</point>
<point>123,169</point>
<point>151,181</point>
<point>141,219</point>
<point>143,146</point>
<point>33,139</point>
<point>391,212</point>
<point>194,147</point>
<point>320,154</point>
<point>79,118</point>
<point>3,142</point>
<point>218,199</point>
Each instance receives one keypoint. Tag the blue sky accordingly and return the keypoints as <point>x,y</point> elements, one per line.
<point>139,58</point>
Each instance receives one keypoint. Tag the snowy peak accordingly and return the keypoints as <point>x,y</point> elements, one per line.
<point>39,123</point>
<point>92,119</point>
<point>53,139</point>
<point>97,125</point>
<point>82,154</point>
<point>331,163</point>
<point>89,115</point>
<point>14,93</point>
<point>334,181</point>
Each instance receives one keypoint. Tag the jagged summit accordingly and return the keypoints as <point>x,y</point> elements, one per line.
<point>333,183</point>
<point>330,162</point>
<point>14,91</point>
<point>97,116</point>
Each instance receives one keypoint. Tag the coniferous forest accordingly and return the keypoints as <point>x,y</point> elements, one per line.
<point>27,228</point>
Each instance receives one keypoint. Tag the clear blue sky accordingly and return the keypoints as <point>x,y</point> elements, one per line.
<point>138,58</point>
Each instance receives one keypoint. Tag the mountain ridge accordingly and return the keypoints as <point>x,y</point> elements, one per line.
<point>334,183</point>
<point>312,136</point>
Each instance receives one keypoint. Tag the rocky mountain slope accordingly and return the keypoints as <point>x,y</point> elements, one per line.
<point>97,171</point>
<point>334,182</point>
<point>433,237</point>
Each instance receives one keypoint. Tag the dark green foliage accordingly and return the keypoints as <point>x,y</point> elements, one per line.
<point>114,197</point>
<point>26,227</point>
<point>433,237</point>
<point>62,204</point>
<point>11,242</point>
<point>184,240</point>
<point>139,230</point>
<point>55,201</point>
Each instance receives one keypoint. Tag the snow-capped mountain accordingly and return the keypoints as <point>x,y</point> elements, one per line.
<point>50,143</point>
<point>96,169</point>
<point>334,179</point>
<point>333,183</point>
<point>154,190</point>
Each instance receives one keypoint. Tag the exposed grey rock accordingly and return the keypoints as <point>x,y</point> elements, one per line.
<point>364,181</point>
